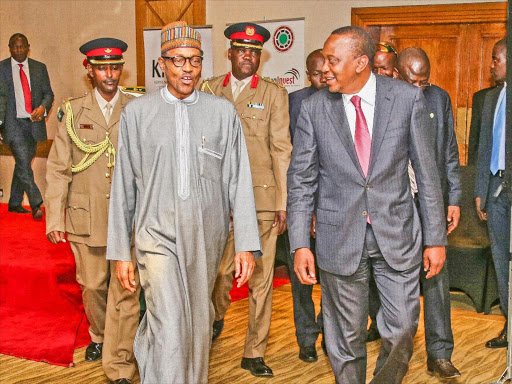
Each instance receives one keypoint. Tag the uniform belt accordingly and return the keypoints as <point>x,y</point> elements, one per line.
<point>24,118</point>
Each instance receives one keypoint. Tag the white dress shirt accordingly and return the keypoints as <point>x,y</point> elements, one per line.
<point>367,95</point>
<point>233,80</point>
<point>103,103</point>
<point>501,164</point>
<point>21,112</point>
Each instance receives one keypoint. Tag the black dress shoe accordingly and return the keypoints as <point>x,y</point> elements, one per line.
<point>257,367</point>
<point>18,209</point>
<point>218,326</point>
<point>373,333</point>
<point>324,347</point>
<point>500,341</point>
<point>122,381</point>
<point>93,351</point>
<point>37,214</point>
<point>308,354</point>
<point>444,368</point>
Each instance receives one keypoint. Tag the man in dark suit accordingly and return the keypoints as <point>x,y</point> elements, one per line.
<point>3,106</point>
<point>414,67</point>
<point>29,99</point>
<point>352,146</point>
<point>491,197</point>
<point>307,328</point>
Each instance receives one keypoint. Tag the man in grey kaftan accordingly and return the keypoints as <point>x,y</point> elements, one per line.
<point>182,167</point>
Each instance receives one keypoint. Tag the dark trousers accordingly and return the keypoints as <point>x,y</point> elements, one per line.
<point>345,310</point>
<point>307,328</point>
<point>498,224</point>
<point>23,147</point>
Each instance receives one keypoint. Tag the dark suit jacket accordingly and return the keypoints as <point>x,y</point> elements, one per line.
<point>440,112</point>
<point>483,172</point>
<point>476,123</point>
<point>324,160</point>
<point>41,92</point>
<point>295,99</point>
<point>3,102</point>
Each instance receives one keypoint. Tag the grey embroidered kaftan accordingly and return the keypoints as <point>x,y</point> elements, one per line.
<point>181,167</point>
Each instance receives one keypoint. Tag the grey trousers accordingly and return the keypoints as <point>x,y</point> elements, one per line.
<point>345,310</point>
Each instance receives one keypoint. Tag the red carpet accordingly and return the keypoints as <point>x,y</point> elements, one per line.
<point>40,302</point>
<point>41,311</point>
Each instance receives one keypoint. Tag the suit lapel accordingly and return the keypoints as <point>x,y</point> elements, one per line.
<point>336,112</point>
<point>490,102</point>
<point>226,92</point>
<point>10,83</point>
<point>383,104</point>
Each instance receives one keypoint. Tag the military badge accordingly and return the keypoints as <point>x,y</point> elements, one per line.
<point>86,126</point>
<point>256,105</point>
<point>60,114</point>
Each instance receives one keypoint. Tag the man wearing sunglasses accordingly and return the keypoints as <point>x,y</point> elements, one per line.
<point>182,168</point>
<point>414,68</point>
<point>262,106</point>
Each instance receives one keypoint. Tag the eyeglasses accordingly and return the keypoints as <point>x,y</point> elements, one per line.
<point>179,61</point>
<point>385,47</point>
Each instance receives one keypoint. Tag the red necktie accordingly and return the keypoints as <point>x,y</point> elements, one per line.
<point>26,90</point>
<point>362,140</point>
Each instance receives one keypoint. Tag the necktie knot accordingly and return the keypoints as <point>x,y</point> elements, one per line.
<point>21,66</point>
<point>356,100</point>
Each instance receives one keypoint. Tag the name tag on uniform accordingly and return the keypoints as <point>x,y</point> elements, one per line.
<point>256,105</point>
<point>86,126</point>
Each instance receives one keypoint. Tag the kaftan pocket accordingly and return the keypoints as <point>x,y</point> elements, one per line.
<point>210,163</point>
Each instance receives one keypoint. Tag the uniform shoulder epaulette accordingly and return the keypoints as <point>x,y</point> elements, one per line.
<point>272,81</point>
<point>60,112</point>
<point>205,86</point>
<point>134,91</point>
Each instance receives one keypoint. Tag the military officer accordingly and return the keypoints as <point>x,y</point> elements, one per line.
<point>262,106</point>
<point>79,174</point>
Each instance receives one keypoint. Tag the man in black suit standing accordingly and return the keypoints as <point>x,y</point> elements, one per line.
<point>29,99</point>
<point>414,67</point>
<point>307,328</point>
<point>491,197</point>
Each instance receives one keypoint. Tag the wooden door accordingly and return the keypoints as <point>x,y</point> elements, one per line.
<point>458,40</point>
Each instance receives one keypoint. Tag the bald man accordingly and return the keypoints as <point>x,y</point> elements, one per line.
<point>385,60</point>
<point>307,328</point>
<point>414,67</point>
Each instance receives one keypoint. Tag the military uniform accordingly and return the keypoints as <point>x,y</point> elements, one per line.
<point>263,110</point>
<point>77,202</point>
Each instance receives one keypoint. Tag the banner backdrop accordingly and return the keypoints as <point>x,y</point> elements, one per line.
<point>283,58</point>
<point>155,79</point>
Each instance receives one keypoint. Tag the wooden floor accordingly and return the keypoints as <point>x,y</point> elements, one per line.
<point>477,364</point>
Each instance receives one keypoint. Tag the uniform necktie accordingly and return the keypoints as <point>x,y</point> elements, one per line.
<point>26,90</point>
<point>362,140</point>
<point>238,88</point>
<point>498,138</point>
<point>108,112</point>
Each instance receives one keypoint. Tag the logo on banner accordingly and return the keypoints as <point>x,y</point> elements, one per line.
<point>290,77</point>
<point>283,38</point>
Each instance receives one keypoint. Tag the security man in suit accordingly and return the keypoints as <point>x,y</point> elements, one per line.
<point>3,105</point>
<point>262,106</point>
<point>29,99</point>
<point>491,197</point>
<point>79,176</point>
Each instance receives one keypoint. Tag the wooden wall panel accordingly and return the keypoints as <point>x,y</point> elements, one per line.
<point>157,13</point>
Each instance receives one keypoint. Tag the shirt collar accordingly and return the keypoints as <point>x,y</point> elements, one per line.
<point>246,81</point>
<point>169,97</point>
<point>15,64</point>
<point>102,102</point>
<point>367,93</point>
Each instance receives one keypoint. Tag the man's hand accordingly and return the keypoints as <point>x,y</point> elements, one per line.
<point>453,218</point>
<point>244,267</point>
<point>280,220</point>
<point>312,230</point>
<point>481,214</point>
<point>304,266</point>
<point>37,114</point>
<point>56,237</point>
<point>125,272</point>
<point>433,260</point>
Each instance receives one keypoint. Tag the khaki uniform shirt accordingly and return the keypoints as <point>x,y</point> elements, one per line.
<point>263,110</point>
<point>78,203</point>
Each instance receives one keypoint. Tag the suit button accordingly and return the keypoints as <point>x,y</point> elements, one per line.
<point>365,213</point>
<point>106,154</point>
<point>265,186</point>
<point>367,187</point>
<point>84,139</point>
<point>74,206</point>
<point>107,174</point>
<point>253,116</point>
<point>107,196</point>
<point>107,133</point>
<point>242,115</point>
